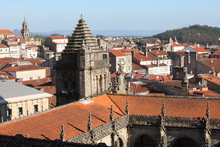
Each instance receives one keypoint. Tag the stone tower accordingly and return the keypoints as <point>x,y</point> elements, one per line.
<point>25,30</point>
<point>83,70</point>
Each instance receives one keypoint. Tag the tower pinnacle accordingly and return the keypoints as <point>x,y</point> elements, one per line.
<point>25,30</point>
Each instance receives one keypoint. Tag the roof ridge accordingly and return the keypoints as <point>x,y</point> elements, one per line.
<point>115,104</point>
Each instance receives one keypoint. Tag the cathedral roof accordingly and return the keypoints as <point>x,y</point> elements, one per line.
<point>81,38</point>
<point>74,116</point>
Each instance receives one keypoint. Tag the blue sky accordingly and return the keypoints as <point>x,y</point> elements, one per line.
<point>48,15</point>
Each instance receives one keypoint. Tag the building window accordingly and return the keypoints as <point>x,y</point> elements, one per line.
<point>104,56</point>
<point>20,111</point>
<point>35,108</point>
<point>9,112</point>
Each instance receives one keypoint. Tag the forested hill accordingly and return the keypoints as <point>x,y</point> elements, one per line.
<point>193,34</point>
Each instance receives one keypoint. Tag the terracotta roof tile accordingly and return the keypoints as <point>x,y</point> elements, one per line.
<point>160,78</point>
<point>200,49</point>
<point>136,66</point>
<point>74,116</point>
<point>130,50</point>
<point>23,68</point>
<point>179,107</point>
<point>6,32</point>
<point>117,52</point>
<point>38,82</point>
<point>58,37</point>
<point>174,44</point>
<point>211,78</point>
<point>212,63</point>
<point>159,52</point>
<point>3,46</point>
<point>149,57</point>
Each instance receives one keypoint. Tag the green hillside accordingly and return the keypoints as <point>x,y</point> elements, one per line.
<point>193,34</point>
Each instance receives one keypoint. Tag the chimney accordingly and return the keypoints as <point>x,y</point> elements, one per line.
<point>132,54</point>
<point>145,53</point>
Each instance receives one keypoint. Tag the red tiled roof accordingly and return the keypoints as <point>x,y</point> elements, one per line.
<point>212,63</point>
<point>174,44</point>
<point>35,61</point>
<point>3,46</point>
<point>137,76</point>
<point>138,88</point>
<point>149,57</point>
<point>23,68</point>
<point>38,82</point>
<point>113,75</point>
<point>117,52</point>
<point>211,78</point>
<point>180,53</point>
<point>160,78</point>
<point>5,75</point>
<point>200,49</point>
<point>6,32</point>
<point>217,53</point>
<point>179,107</point>
<point>205,93</point>
<point>136,66</point>
<point>73,116</point>
<point>50,90</point>
<point>153,47</point>
<point>130,50</point>
<point>159,52</point>
<point>57,37</point>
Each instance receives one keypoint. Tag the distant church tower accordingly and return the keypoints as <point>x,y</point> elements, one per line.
<point>25,30</point>
<point>83,70</point>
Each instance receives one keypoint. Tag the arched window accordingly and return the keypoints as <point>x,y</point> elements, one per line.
<point>143,141</point>
<point>100,83</point>
<point>185,142</point>
<point>105,82</point>
<point>97,85</point>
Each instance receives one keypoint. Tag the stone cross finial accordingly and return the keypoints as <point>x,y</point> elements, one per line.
<point>127,108</point>
<point>90,122</point>
<point>163,116</point>
<point>81,16</point>
<point>111,113</point>
<point>207,132</point>
<point>207,111</point>
<point>62,134</point>
<point>163,110</point>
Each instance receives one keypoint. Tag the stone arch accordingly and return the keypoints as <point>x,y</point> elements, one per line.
<point>143,140</point>
<point>97,84</point>
<point>185,141</point>
<point>105,82</point>
<point>101,83</point>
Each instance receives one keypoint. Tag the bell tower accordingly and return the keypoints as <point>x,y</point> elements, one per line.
<point>83,70</point>
<point>25,30</point>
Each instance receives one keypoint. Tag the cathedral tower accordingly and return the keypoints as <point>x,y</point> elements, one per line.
<point>83,70</point>
<point>25,30</point>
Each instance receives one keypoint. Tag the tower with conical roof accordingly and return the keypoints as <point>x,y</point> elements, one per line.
<point>25,30</point>
<point>83,70</point>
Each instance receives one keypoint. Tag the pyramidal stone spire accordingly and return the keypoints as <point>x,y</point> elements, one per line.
<point>81,39</point>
